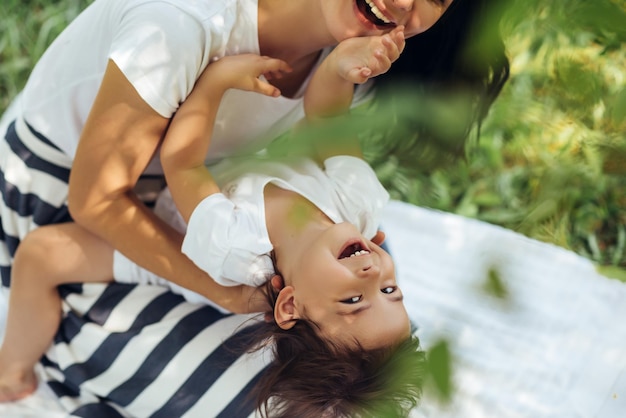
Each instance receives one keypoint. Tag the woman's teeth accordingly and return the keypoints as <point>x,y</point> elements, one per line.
<point>377,11</point>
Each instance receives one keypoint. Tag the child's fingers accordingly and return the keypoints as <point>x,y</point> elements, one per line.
<point>380,62</point>
<point>359,75</point>
<point>393,45</point>
<point>274,74</point>
<point>398,37</point>
<point>266,88</point>
<point>379,238</point>
<point>277,282</point>
<point>271,68</point>
<point>274,67</point>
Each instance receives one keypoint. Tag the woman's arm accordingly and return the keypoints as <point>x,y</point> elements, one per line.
<point>188,138</point>
<point>120,137</point>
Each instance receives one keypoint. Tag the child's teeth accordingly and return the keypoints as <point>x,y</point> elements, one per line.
<point>361,252</point>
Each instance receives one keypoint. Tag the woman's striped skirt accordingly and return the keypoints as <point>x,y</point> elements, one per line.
<point>121,350</point>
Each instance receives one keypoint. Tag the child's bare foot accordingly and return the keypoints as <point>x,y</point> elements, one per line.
<point>16,385</point>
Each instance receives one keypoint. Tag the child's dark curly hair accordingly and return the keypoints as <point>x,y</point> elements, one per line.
<point>312,376</point>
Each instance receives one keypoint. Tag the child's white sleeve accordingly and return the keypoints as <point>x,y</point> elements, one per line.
<point>223,240</point>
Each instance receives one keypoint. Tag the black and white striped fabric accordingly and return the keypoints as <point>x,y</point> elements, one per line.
<point>122,350</point>
<point>142,351</point>
<point>34,187</point>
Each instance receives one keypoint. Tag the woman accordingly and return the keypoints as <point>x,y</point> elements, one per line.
<point>102,95</point>
<point>100,99</point>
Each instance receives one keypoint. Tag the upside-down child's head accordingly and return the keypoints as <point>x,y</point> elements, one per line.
<point>341,337</point>
<point>345,286</point>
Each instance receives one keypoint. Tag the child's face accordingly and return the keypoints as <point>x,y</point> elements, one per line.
<point>349,18</point>
<point>346,284</point>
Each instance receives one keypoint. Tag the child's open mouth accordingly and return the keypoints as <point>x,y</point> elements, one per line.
<point>373,14</point>
<point>353,250</point>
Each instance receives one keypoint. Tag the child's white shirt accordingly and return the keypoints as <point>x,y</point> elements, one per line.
<point>227,235</point>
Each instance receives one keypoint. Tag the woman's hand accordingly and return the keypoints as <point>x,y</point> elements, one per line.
<point>247,299</point>
<point>242,299</point>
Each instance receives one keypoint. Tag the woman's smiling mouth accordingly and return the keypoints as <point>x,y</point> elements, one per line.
<point>373,14</point>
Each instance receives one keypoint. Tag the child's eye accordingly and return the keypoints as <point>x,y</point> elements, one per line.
<point>389,289</point>
<point>353,299</point>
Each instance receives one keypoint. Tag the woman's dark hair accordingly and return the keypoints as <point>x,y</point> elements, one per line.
<point>461,54</point>
<point>313,377</point>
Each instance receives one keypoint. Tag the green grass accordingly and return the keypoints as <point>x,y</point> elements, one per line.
<point>551,159</point>
<point>27,27</point>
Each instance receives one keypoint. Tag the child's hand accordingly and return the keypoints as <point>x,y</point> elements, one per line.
<point>242,72</point>
<point>359,59</point>
<point>353,61</point>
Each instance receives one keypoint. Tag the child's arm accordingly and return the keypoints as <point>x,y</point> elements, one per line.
<point>189,135</point>
<point>331,88</point>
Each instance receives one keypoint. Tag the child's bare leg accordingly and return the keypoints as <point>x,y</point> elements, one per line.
<point>47,257</point>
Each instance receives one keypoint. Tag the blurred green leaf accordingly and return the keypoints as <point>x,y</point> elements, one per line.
<point>600,16</point>
<point>439,370</point>
<point>618,109</point>
<point>495,286</point>
<point>577,83</point>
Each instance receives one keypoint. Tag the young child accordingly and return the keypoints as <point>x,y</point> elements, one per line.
<point>312,229</point>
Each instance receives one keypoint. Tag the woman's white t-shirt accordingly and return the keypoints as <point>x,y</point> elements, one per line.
<point>161,46</point>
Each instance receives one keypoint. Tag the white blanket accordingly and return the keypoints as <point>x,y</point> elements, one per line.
<point>555,347</point>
